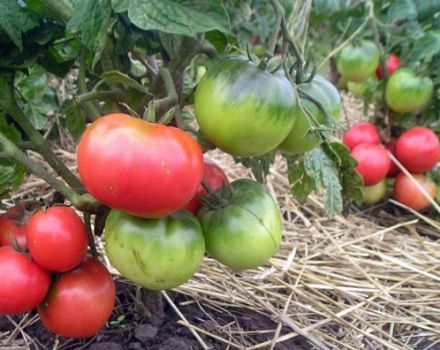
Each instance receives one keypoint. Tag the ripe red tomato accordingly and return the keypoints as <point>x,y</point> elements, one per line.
<point>80,302</point>
<point>418,149</point>
<point>12,227</point>
<point>145,169</point>
<point>406,192</point>
<point>394,170</point>
<point>24,283</point>
<point>361,133</point>
<point>373,162</point>
<point>213,178</point>
<point>57,238</point>
<point>392,63</point>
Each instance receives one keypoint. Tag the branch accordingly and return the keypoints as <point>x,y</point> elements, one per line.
<point>90,108</point>
<point>9,103</point>
<point>279,13</point>
<point>172,99</point>
<point>84,202</point>
<point>90,236</point>
<point>152,70</point>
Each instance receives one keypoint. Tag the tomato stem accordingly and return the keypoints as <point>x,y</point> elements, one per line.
<point>90,236</point>
<point>9,103</point>
<point>91,109</point>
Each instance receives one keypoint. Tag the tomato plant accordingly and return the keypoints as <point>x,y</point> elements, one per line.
<point>155,253</point>
<point>244,231</point>
<point>213,178</point>
<point>406,92</point>
<point>242,109</point>
<point>358,62</point>
<point>406,192</point>
<point>418,149</point>
<point>392,63</point>
<point>80,301</point>
<point>24,283</point>
<point>301,138</point>
<point>373,162</point>
<point>57,238</point>
<point>153,159</point>
<point>361,133</point>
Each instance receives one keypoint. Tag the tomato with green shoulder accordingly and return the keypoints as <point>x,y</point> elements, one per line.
<point>243,230</point>
<point>155,253</point>
<point>243,109</point>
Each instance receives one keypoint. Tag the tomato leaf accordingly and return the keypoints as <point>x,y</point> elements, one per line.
<point>14,21</point>
<point>351,181</point>
<point>426,47</point>
<point>115,77</point>
<point>120,5</point>
<point>91,20</point>
<point>183,17</point>
<point>324,171</point>
<point>301,183</point>
<point>259,166</point>
<point>36,96</point>
<point>74,116</point>
<point>11,173</point>
<point>402,9</point>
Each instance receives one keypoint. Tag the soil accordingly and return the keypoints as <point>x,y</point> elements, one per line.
<point>144,320</point>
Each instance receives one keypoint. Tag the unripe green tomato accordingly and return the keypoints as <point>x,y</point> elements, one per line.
<point>358,62</point>
<point>243,109</point>
<point>245,232</point>
<point>259,50</point>
<point>373,194</point>
<point>359,89</point>
<point>300,138</point>
<point>155,253</point>
<point>406,92</point>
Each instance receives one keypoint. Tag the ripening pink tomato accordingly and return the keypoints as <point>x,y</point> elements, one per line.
<point>406,192</point>
<point>361,133</point>
<point>373,162</point>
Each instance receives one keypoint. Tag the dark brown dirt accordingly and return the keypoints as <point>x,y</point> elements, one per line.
<point>143,320</point>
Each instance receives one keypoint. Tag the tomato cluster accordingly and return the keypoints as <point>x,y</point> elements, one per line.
<point>43,265</point>
<point>248,111</point>
<point>418,151</point>
<point>155,185</point>
<point>405,90</point>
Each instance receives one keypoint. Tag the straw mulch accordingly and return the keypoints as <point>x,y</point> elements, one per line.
<point>369,280</point>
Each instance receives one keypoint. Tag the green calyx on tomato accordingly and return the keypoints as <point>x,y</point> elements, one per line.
<point>358,62</point>
<point>246,232</point>
<point>301,139</point>
<point>243,109</point>
<point>155,253</point>
<point>406,92</point>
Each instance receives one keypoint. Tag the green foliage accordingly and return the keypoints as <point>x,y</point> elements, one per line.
<point>260,166</point>
<point>182,17</point>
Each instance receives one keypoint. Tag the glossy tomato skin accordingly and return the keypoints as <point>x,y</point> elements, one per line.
<point>406,192</point>
<point>394,170</point>
<point>57,238</point>
<point>24,284</point>
<point>80,301</point>
<point>213,177</point>
<point>12,229</point>
<point>358,62</point>
<point>406,92</point>
<point>361,133</point>
<point>418,149</point>
<point>145,169</point>
<point>392,63</point>
<point>242,109</point>
<point>300,139</point>
<point>246,233</point>
<point>374,193</point>
<point>155,253</point>
<point>373,162</point>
